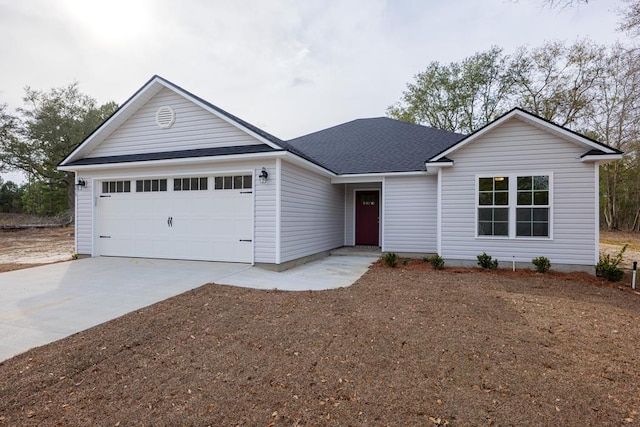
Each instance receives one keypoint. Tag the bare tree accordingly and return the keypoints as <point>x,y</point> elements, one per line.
<point>460,96</point>
<point>615,120</point>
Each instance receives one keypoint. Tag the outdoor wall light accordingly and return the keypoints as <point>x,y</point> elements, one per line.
<point>263,175</point>
<point>81,184</point>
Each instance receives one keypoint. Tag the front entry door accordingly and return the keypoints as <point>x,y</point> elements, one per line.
<point>367,218</point>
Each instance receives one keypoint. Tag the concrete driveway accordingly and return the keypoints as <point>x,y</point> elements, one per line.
<point>43,304</point>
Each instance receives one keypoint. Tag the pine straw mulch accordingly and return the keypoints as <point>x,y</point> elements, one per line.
<point>405,346</point>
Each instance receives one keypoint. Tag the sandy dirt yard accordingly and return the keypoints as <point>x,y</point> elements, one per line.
<point>612,241</point>
<point>20,248</point>
<point>401,347</point>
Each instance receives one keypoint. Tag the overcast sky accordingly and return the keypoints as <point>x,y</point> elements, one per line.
<point>289,67</point>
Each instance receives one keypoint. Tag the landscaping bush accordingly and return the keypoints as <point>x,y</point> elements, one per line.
<point>611,273</point>
<point>390,259</point>
<point>437,262</point>
<point>405,261</point>
<point>542,264</point>
<point>607,267</point>
<point>486,262</point>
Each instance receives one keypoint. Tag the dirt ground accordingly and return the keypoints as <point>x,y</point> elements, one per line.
<point>612,241</point>
<point>22,248</point>
<point>406,346</point>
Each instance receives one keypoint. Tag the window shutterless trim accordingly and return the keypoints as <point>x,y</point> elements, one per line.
<point>151,185</point>
<point>512,206</point>
<point>120,186</point>
<point>199,183</point>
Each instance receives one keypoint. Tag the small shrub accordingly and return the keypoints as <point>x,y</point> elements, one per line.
<point>405,261</point>
<point>607,266</point>
<point>486,262</point>
<point>75,256</point>
<point>390,259</point>
<point>611,273</point>
<point>437,262</point>
<point>542,264</point>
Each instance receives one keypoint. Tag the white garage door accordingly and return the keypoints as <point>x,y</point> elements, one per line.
<point>195,218</point>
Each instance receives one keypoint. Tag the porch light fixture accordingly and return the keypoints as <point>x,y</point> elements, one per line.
<point>81,184</point>
<point>263,175</point>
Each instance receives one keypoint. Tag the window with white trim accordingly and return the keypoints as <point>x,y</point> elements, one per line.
<point>532,212</point>
<point>151,185</point>
<point>493,206</point>
<point>190,184</point>
<point>514,206</point>
<point>237,182</point>
<point>116,187</point>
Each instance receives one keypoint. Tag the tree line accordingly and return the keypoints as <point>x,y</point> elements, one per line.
<point>36,137</point>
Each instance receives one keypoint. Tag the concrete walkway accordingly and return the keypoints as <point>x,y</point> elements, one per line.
<point>43,304</point>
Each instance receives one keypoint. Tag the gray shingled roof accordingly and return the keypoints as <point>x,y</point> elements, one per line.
<point>182,154</point>
<point>374,145</point>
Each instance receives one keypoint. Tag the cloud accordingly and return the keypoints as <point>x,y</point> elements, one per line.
<point>289,66</point>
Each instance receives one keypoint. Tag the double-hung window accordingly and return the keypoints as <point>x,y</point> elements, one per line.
<point>514,206</point>
<point>493,206</point>
<point>532,212</point>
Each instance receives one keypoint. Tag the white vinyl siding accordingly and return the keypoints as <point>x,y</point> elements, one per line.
<point>194,128</point>
<point>311,213</point>
<point>520,149</point>
<point>350,208</point>
<point>265,214</point>
<point>84,218</point>
<point>410,210</point>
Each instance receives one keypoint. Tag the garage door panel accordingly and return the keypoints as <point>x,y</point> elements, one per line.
<point>143,248</point>
<point>205,225</point>
<point>243,205</point>
<point>197,250</point>
<point>144,226</point>
<point>194,228</point>
<point>231,250</point>
<point>242,227</point>
<point>201,204</point>
<point>162,248</point>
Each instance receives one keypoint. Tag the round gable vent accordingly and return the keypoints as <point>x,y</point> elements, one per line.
<point>165,117</point>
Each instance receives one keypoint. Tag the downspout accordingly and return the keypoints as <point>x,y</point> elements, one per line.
<point>345,216</point>
<point>596,204</point>
<point>278,208</point>
<point>382,216</point>
<point>75,215</point>
<point>439,213</point>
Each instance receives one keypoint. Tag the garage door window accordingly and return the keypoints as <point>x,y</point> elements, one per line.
<point>237,182</point>
<point>148,185</point>
<point>190,184</point>
<point>116,187</point>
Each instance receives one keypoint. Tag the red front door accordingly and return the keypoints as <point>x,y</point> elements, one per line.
<point>367,215</point>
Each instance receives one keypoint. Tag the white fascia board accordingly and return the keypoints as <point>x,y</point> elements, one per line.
<point>559,130</point>
<point>173,162</point>
<point>437,165</point>
<point>372,177</point>
<point>601,158</point>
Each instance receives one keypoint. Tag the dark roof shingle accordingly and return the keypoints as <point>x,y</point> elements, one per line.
<point>374,145</point>
<point>182,154</point>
